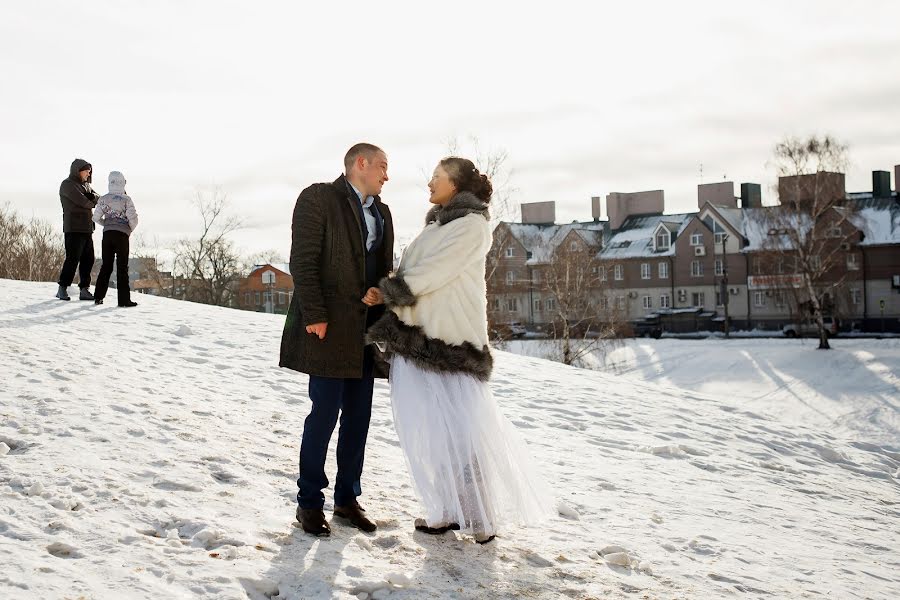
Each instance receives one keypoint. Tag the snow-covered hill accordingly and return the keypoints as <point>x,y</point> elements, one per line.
<point>151,453</point>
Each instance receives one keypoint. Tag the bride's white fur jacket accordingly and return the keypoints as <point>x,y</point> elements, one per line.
<point>437,299</point>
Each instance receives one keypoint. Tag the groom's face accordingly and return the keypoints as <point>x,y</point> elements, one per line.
<point>374,172</point>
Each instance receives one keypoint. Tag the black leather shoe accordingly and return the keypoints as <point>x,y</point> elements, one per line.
<point>354,513</point>
<point>313,522</point>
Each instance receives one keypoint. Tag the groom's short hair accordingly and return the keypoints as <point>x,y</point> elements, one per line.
<point>362,149</point>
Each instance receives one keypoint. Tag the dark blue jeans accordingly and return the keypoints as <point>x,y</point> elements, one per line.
<point>352,398</point>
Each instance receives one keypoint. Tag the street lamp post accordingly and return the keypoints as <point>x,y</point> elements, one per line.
<point>724,285</point>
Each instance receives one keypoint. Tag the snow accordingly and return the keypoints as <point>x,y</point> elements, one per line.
<point>635,238</point>
<point>542,240</point>
<point>144,462</point>
<point>879,221</point>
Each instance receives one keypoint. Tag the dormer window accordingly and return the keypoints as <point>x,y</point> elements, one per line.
<point>662,239</point>
<point>510,252</point>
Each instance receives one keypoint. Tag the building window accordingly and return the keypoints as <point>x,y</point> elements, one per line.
<point>699,299</point>
<point>663,270</point>
<point>662,240</point>
<point>536,276</point>
<point>855,296</point>
<point>510,252</point>
<point>719,268</point>
<point>833,232</point>
<point>512,305</point>
<point>647,302</point>
<point>537,305</point>
<point>573,246</point>
<point>281,298</point>
<point>852,262</point>
<point>759,299</point>
<point>604,303</point>
<point>247,298</point>
<point>665,301</point>
<point>619,273</point>
<point>696,268</point>
<point>257,298</point>
<point>602,273</point>
<point>696,239</point>
<point>620,302</point>
<point>779,265</point>
<point>719,301</point>
<point>720,237</point>
<point>495,304</point>
<point>645,270</point>
<point>551,304</point>
<point>510,277</point>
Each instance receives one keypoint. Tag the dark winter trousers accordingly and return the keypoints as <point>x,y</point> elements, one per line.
<point>352,398</point>
<point>79,255</point>
<point>115,247</point>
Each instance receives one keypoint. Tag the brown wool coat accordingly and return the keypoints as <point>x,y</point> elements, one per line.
<point>328,266</point>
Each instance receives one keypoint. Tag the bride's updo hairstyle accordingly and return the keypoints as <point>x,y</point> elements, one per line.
<point>466,178</point>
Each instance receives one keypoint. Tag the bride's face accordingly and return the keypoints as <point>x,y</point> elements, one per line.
<point>442,189</point>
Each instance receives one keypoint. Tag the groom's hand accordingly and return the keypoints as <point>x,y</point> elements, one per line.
<point>318,329</point>
<point>373,297</point>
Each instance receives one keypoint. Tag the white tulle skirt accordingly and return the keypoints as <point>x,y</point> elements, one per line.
<point>468,463</point>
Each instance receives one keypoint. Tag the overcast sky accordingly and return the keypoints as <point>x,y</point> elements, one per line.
<point>587,98</point>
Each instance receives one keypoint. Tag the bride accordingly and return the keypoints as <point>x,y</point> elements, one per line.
<point>470,469</point>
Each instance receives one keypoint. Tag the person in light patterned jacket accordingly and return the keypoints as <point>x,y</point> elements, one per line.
<point>116,213</point>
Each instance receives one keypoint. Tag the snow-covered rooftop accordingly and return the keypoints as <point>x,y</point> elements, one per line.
<point>635,238</point>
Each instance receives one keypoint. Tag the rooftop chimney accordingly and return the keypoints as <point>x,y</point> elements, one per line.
<point>881,184</point>
<point>620,206</point>
<point>717,194</point>
<point>821,187</point>
<point>595,208</point>
<point>539,213</point>
<point>751,195</point>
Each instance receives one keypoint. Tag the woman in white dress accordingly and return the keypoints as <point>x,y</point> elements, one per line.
<point>470,468</point>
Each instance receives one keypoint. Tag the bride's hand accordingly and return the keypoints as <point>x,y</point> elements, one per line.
<point>373,297</point>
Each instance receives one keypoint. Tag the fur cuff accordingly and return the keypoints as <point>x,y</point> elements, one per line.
<point>410,342</point>
<point>396,292</point>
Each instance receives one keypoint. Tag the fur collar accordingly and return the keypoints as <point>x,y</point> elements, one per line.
<point>462,204</point>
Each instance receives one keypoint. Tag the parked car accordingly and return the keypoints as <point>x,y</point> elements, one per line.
<point>505,331</point>
<point>647,327</point>
<point>516,329</point>
<point>810,328</point>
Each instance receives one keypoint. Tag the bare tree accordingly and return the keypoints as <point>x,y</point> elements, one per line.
<point>31,251</point>
<point>811,231</point>
<point>265,257</point>
<point>583,319</point>
<point>206,269</point>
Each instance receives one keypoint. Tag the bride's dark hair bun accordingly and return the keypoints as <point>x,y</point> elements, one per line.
<point>466,177</point>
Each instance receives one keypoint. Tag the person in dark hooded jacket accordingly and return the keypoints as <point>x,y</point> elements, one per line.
<point>78,200</point>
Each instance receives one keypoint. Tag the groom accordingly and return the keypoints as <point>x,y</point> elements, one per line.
<point>342,245</point>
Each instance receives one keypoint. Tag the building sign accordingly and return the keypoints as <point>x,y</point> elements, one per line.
<point>774,282</point>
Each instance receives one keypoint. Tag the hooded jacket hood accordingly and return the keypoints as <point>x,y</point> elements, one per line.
<point>79,165</point>
<point>116,183</point>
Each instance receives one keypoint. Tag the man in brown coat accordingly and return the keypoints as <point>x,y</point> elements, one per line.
<point>342,245</point>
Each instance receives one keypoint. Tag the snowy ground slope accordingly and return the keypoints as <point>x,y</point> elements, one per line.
<point>152,453</point>
<point>853,390</point>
